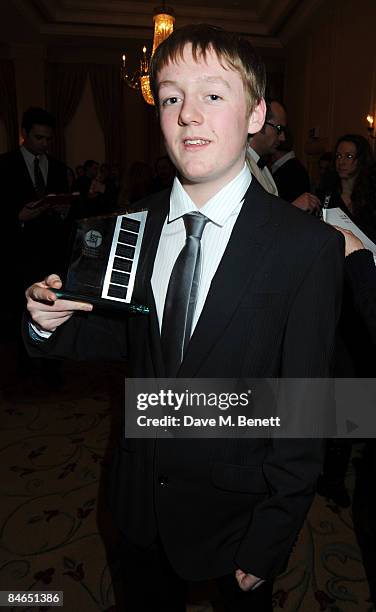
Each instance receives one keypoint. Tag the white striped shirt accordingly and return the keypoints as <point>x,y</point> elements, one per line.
<point>222,211</point>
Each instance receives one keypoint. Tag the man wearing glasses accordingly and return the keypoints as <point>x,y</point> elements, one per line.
<point>266,142</point>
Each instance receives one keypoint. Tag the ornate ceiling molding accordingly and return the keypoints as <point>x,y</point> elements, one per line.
<point>268,23</point>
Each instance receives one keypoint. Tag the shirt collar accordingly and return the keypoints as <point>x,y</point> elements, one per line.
<point>219,208</point>
<point>253,153</point>
<point>30,156</point>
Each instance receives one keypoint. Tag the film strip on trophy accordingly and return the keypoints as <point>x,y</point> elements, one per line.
<point>103,262</point>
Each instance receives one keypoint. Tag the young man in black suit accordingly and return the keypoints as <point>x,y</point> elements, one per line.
<point>266,305</point>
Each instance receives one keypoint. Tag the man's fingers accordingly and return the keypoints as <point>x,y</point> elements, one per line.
<point>343,230</point>
<point>307,202</point>
<point>40,301</point>
<point>41,293</point>
<point>49,315</point>
<point>313,202</point>
<point>37,291</point>
<point>48,311</point>
<point>70,305</point>
<point>52,324</point>
<point>246,581</point>
<point>40,297</point>
<point>53,280</point>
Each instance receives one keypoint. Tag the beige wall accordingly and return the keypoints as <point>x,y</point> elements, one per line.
<point>29,67</point>
<point>84,136</point>
<point>330,75</point>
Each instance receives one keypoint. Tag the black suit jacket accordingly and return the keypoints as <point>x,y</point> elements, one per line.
<point>271,311</point>
<point>360,274</point>
<point>34,247</point>
<point>17,184</point>
<point>292,180</point>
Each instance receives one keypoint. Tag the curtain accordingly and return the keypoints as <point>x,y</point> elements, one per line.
<point>107,93</point>
<point>65,86</point>
<point>8,102</point>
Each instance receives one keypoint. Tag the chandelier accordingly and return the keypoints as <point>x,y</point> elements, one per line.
<point>139,79</point>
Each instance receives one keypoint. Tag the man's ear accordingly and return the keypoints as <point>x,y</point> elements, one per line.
<point>257,117</point>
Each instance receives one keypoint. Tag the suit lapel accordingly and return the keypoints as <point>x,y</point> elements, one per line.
<point>267,183</point>
<point>24,178</point>
<point>143,290</point>
<point>250,237</point>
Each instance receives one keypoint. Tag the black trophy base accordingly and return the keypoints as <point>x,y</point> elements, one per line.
<point>101,303</point>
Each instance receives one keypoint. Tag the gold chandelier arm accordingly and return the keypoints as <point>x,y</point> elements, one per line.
<point>146,91</point>
<point>163,27</point>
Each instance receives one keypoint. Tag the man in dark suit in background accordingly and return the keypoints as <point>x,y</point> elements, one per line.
<point>289,174</point>
<point>27,175</point>
<point>34,232</point>
<point>265,144</point>
<point>264,305</point>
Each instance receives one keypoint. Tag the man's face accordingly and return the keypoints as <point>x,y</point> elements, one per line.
<point>346,160</point>
<point>204,119</point>
<point>38,139</point>
<point>271,137</point>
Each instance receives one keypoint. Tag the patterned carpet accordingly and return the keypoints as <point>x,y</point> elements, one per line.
<point>55,449</point>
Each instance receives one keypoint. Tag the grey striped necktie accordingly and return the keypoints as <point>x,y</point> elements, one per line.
<point>181,295</point>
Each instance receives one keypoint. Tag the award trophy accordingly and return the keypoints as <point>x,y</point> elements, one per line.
<point>103,262</point>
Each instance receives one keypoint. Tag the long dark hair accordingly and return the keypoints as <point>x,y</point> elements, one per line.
<point>363,191</point>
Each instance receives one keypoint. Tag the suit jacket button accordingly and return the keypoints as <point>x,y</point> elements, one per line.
<point>163,481</point>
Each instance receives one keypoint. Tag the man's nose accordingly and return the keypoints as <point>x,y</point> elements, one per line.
<point>190,112</point>
<point>282,137</point>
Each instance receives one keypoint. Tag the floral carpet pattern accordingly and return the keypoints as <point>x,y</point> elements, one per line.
<point>55,448</point>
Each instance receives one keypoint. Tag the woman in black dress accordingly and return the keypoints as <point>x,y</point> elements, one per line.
<point>351,186</point>
<point>360,271</point>
<point>351,183</point>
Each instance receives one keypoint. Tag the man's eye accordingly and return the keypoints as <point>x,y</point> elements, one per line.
<point>214,97</point>
<point>170,101</point>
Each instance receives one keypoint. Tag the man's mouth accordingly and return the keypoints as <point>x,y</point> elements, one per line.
<point>195,142</point>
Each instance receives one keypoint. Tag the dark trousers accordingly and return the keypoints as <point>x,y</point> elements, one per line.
<point>364,512</point>
<point>147,583</point>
